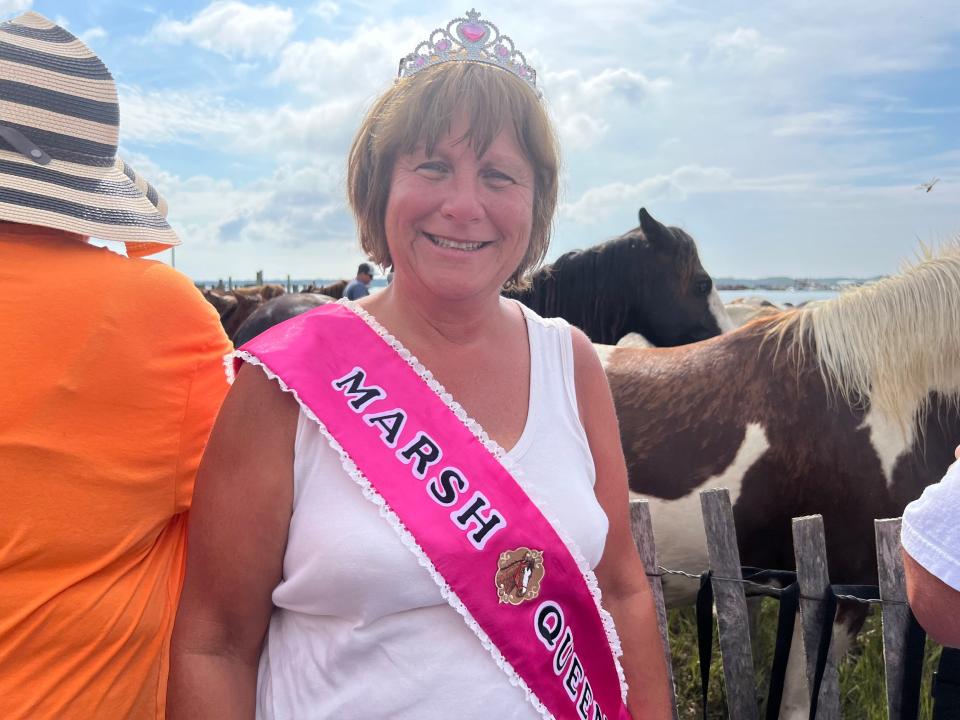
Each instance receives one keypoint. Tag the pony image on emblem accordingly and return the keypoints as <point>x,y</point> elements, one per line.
<point>519,574</point>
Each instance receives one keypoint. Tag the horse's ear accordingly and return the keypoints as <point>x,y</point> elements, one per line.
<point>657,234</point>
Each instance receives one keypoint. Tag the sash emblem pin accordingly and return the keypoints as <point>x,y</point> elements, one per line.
<point>519,573</point>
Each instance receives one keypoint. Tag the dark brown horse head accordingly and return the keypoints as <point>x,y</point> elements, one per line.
<point>676,302</point>
<point>648,281</point>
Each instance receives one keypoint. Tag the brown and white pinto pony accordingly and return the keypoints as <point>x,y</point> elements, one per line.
<point>847,408</point>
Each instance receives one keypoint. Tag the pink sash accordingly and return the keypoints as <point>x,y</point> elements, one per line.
<point>441,482</point>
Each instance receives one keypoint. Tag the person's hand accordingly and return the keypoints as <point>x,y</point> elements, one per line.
<point>956,453</point>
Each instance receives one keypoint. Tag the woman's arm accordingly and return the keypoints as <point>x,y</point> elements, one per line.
<point>623,581</point>
<point>935,604</point>
<point>238,533</point>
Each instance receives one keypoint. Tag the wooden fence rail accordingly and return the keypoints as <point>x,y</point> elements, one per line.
<point>810,555</point>
<point>733,624</point>
<point>814,579</point>
<point>642,527</point>
<point>896,613</point>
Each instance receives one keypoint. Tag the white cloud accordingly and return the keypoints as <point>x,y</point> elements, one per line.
<point>622,83</point>
<point>293,220</point>
<point>14,7</point>
<point>602,201</point>
<point>296,206</point>
<point>326,9</point>
<point>598,202</point>
<point>835,122</point>
<point>323,128</point>
<point>579,104</point>
<point>92,35</point>
<point>201,120</point>
<point>610,84</point>
<point>741,38</point>
<point>233,29</point>
<point>180,116</point>
<point>360,65</point>
<point>578,131</point>
<point>747,44</point>
<point>815,123</point>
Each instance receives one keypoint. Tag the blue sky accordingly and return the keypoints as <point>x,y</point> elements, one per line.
<point>788,138</point>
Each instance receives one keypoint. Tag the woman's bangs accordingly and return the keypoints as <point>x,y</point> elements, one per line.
<point>477,91</point>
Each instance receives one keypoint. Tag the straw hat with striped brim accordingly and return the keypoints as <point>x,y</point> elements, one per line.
<point>59,126</point>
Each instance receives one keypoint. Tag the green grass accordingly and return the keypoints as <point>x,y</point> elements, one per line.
<point>862,688</point>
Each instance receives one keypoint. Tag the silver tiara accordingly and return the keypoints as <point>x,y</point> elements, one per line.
<point>469,39</point>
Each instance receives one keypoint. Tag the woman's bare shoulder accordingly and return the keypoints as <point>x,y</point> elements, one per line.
<point>258,420</point>
<point>593,391</point>
<point>257,393</point>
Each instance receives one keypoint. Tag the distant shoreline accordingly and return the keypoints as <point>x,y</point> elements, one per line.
<point>778,297</point>
<point>722,284</point>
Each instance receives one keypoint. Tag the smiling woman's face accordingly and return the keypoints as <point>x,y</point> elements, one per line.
<point>458,225</point>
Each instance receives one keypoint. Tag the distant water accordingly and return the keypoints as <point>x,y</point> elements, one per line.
<point>779,297</point>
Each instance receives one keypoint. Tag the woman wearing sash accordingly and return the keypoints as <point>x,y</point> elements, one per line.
<point>410,505</point>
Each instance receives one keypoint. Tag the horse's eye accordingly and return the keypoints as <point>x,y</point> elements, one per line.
<point>703,287</point>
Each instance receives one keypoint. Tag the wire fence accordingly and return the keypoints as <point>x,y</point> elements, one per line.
<point>807,593</point>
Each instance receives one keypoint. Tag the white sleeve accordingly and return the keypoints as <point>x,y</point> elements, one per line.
<point>931,528</point>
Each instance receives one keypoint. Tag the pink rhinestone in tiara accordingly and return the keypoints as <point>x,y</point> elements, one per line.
<point>469,39</point>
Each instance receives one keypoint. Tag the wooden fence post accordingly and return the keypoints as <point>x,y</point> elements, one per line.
<point>896,613</point>
<point>642,528</point>
<point>735,647</point>
<point>810,554</point>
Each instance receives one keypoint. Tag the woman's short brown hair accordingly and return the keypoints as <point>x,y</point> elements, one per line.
<point>420,109</point>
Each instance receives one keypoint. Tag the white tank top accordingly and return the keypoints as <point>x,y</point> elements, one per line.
<point>360,629</point>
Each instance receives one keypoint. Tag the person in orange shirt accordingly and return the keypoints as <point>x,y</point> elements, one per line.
<point>113,372</point>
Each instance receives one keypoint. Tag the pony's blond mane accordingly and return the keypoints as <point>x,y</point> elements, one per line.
<point>890,343</point>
